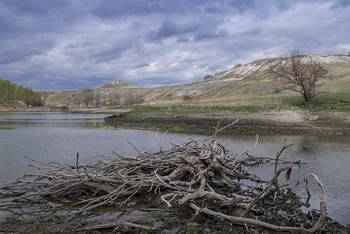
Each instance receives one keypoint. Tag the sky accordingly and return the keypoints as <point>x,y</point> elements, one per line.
<point>76,44</point>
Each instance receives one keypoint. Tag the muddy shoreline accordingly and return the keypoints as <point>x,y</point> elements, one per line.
<point>152,213</point>
<point>276,122</point>
<point>32,109</point>
<point>77,110</point>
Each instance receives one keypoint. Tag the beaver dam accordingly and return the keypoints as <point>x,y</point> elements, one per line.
<point>201,178</point>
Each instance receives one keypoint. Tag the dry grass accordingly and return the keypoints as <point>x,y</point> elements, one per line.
<point>258,89</point>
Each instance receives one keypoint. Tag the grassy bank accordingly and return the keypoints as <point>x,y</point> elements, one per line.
<point>324,102</point>
<point>326,114</point>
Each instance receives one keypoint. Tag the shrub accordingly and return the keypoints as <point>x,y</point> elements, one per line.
<point>187,96</point>
<point>34,101</point>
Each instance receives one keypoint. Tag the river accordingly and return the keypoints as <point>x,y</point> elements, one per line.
<point>59,136</point>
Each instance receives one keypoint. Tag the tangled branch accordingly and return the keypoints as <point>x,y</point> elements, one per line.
<point>200,174</point>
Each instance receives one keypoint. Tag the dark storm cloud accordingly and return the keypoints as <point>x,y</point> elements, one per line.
<point>207,34</point>
<point>118,8</point>
<point>22,48</point>
<point>341,3</point>
<point>170,28</point>
<point>61,44</point>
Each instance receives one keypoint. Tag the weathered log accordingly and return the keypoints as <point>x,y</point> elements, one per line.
<point>257,223</point>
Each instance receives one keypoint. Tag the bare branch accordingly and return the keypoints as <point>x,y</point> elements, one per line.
<point>298,73</point>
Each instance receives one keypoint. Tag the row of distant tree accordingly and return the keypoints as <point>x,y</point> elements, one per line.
<point>10,92</point>
<point>90,97</point>
<point>297,72</point>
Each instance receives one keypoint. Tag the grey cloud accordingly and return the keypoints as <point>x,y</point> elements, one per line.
<point>6,25</point>
<point>182,39</point>
<point>9,56</point>
<point>341,3</point>
<point>255,31</point>
<point>113,9</point>
<point>205,34</point>
<point>38,7</point>
<point>39,15</point>
<point>170,28</point>
<point>212,10</point>
<point>144,64</point>
<point>199,28</point>
<point>61,44</point>
<point>109,54</point>
<point>112,51</point>
<point>242,5</point>
<point>12,51</point>
<point>167,29</point>
<point>209,34</point>
<point>75,45</point>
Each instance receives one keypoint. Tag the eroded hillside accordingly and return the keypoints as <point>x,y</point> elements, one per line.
<point>234,86</point>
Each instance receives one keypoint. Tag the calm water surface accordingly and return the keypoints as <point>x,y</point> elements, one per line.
<point>59,136</point>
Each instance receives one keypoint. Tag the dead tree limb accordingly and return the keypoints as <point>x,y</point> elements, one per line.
<point>199,173</point>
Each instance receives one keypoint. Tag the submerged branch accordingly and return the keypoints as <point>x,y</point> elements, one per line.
<point>199,173</point>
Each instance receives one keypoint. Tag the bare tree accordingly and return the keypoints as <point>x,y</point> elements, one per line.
<point>115,99</point>
<point>139,99</point>
<point>298,73</point>
<point>98,98</point>
<point>87,96</point>
<point>129,99</point>
<point>104,102</point>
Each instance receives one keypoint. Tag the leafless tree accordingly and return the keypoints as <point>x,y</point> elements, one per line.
<point>133,99</point>
<point>129,99</point>
<point>139,99</point>
<point>298,73</point>
<point>87,96</point>
<point>115,99</point>
<point>104,102</point>
<point>98,99</point>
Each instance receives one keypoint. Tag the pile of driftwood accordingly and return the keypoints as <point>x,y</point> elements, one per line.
<point>200,174</point>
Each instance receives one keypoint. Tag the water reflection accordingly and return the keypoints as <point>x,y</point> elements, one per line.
<point>21,119</point>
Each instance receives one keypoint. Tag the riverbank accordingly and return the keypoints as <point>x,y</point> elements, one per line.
<point>274,121</point>
<point>182,118</point>
<point>325,158</point>
<point>78,110</point>
<point>25,108</point>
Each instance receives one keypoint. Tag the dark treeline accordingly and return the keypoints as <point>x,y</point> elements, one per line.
<point>10,92</point>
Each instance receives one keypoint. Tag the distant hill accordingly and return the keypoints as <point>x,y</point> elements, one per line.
<point>71,96</point>
<point>234,86</point>
<point>258,66</point>
<point>116,84</point>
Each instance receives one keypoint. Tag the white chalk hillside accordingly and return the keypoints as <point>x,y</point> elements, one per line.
<point>239,80</point>
<point>240,71</point>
